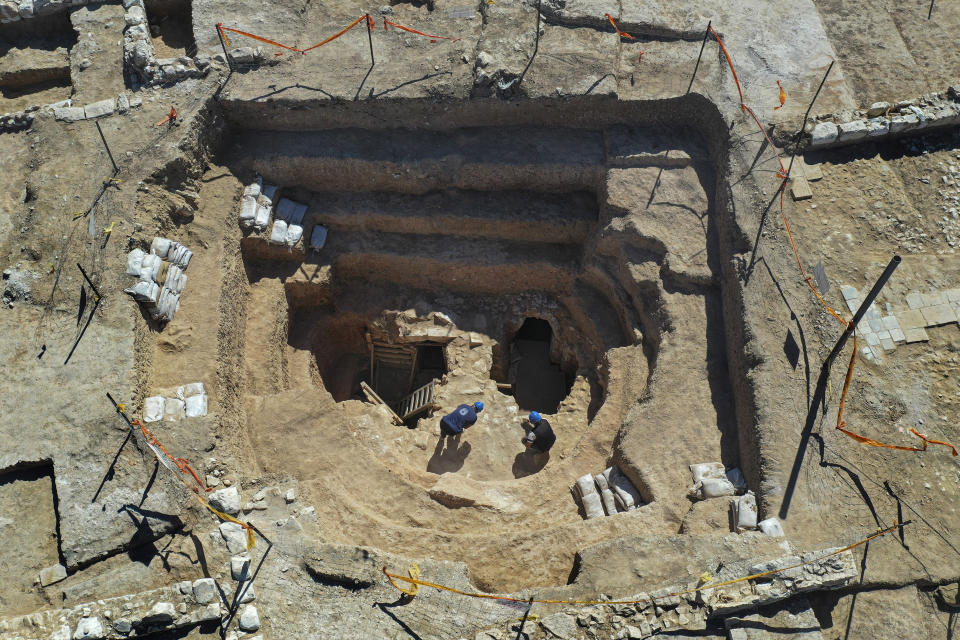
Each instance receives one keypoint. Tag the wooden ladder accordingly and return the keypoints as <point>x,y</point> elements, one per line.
<point>418,401</point>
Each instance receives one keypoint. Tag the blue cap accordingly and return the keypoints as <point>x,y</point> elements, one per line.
<point>478,406</point>
<point>534,417</point>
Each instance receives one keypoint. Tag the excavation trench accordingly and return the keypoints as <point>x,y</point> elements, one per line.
<point>573,272</point>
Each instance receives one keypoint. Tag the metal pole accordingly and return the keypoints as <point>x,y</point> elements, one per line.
<point>116,169</point>
<point>224,45</point>
<point>526,613</point>
<point>370,40</point>
<point>706,34</point>
<point>864,306</point>
<point>87,278</point>
<point>803,124</point>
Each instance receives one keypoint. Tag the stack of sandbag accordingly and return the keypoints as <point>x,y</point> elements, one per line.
<point>585,492</point>
<point>606,493</point>
<point>711,480</point>
<point>190,402</point>
<point>164,265</point>
<point>743,512</point>
<point>287,225</point>
<point>256,205</point>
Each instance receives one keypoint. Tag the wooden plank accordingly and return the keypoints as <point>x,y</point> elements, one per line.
<point>373,397</point>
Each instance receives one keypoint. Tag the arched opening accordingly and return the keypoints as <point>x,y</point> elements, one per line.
<point>538,384</point>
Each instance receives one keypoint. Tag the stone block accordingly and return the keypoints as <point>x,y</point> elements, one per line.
<point>878,109</point>
<point>938,315</point>
<point>99,109</point>
<point>853,131</point>
<point>800,188</point>
<point>161,613</point>
<point>226,500</point>
<point>8,11</point>
<point>812,172</point>
<point>953,295</point>
<point>903,123</point>
<point>204,590</point>
<point>897,335</point>
<point>26,9</point>
<point>915,300</point>
<point>877,127</point>
<point>890,323</point>
<point>887,344</point>
<point>69,114</point>
<point>916,335</point>
<point>240,568</point>
<point>848,292</point>
<point>249,619</point>
<point>824,133</point>
<point>234,536</point>
<point>53,574</point>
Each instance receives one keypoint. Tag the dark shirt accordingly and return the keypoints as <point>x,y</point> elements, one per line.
<point>543,437</point>
<point>460,418</point>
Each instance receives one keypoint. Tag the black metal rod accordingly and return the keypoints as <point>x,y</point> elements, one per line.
<point>524,621</point>
<point>803,124</point>
<point>224,45</point>
<point>370,40</point>
<point>116,169</point>
<point>864,306</point>
<point>930,13</point>
<point>706,34</point>
<point>87,278</point>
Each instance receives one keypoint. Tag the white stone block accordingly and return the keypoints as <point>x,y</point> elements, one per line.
<point>249,619</point>
<point>69,114</point>
<point>204,590</point>
<point>99,109</point>
<point>89,629</point>
<point>853,131</point>
<point>226,500</point>
<point>823,133</point>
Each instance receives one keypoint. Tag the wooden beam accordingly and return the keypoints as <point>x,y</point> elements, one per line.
<point>373,397</point>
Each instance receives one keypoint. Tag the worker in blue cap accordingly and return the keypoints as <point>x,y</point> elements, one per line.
<point>460,418</point>
<point>540,436</point>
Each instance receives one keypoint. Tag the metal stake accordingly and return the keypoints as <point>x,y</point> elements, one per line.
<point>864,306</point>
<point>706,34</point>
<point>370,40</point>
<point>116,169</point>
<point>796,142</point>
<point>224,45</point>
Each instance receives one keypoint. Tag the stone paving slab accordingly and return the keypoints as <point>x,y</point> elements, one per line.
<point>916,335</point>
<point>938,315</point>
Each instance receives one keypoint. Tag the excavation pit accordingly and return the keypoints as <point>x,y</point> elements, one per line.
<point>564,274</point>
<point>35,61</point>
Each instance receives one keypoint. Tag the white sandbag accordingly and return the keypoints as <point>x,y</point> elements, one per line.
<point>268,192</point>
<point>294,233</point>
<point>144,291</point>
<point>601,481</point>
<point>153,409</point>
<point>180,255</point>
<point>621,505</point>
<point>262,220</point>
<point>160,247</point>
<point>592,505</point>
<point>745,512</point>
<point>196,406</point>
<point>624,490</point>
<point>167,305</point>
<point>609,504</point>
<point>715,488</point>
<point>248,211</point>
<point>252,190</point>
<point>150,267</point>
<point>735,476</point>
<point>585,485</point>
<point>190,390</point>
<point>134,262</point>
<point>318,238</point>
<point>771,527</point>
<point>285,209</point>
<point>173,410</point>
<point>707,470</point>
<point>278,235</point>
<point>176,280</point>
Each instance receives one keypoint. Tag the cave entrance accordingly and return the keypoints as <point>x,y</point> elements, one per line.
<point>538,383</point>
<point>403,373</point>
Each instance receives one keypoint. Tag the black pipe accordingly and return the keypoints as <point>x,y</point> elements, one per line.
<point>864,306</point>
<point>706,33</point>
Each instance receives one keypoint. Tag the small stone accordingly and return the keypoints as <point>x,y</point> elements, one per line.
<point>235,537</point>
<point>878,109</point>
<point>226,500</point>
<point>204,590</point>
<point>249,619</point>
<point>240,568</point>
<point>122,626</point>
<point>289,496</point>
<point>212,480</point>
<point>89,629</point>
<point>84,64</point>
<point>53,574</point>
<point>246,593</point>
<point>123,104</point>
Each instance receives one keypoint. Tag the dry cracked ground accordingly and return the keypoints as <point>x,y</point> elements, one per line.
<point>522,207</point>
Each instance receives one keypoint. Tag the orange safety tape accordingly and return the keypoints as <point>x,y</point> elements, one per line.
<point>223,35</point>
<point>622,34</point>
<point>419,33</point>
<point>338,34</point>
<point>729,61</point>
<point>783,96</point>
<point>255,37</point>
<point>487,596</point>
<point>182,463</point>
